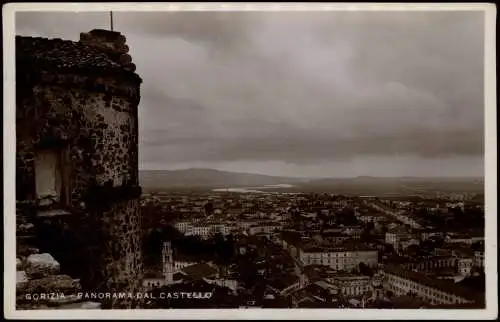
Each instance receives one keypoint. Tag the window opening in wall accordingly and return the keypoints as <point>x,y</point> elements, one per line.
<point>52,177</point>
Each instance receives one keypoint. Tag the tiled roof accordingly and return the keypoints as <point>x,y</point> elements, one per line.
<point>315,272</point>
<point>345,275</point>
<point>199,270</point>
<point>348,245</point>
<point>400,230</point>
<point>282,282</point>
<point>63,54</point>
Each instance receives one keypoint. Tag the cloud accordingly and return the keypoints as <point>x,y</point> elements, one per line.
<point>300,88</point>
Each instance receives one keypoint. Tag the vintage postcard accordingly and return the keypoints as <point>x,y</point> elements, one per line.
<point>250,161</point>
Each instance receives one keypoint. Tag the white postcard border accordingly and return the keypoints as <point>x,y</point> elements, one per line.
<point>491,311</point>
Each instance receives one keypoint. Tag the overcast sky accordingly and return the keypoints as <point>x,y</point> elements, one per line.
<point>325,94</point>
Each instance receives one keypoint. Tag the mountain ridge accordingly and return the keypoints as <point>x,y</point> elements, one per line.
<point>206,177</point>
<point>202,177</point>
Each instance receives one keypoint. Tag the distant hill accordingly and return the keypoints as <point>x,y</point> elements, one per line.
<point>398,180</point>
<point>397,185</point>
<point>209,178</point>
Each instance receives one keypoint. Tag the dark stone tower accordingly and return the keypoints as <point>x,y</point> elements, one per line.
<point>77,152</point>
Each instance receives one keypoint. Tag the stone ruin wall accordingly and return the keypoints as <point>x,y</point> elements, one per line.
<point>94,118</point>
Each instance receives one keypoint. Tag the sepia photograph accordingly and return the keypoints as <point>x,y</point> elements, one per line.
<point>250,161</point>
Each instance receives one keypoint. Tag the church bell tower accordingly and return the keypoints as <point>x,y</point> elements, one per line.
<point>168,263</point>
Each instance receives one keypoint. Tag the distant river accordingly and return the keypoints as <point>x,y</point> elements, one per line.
<point>254,189</point>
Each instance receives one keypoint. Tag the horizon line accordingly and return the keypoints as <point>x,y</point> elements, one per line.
<point>325,177</point>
